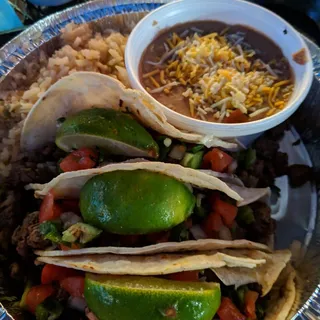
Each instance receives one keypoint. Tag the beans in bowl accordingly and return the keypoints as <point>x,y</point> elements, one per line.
<point>216,72</point>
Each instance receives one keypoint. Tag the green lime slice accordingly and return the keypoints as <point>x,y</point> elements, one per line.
<point>141,298</point>
<point>135,202</point>
<point>108,129</point>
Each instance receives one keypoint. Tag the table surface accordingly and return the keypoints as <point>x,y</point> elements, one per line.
<point>303,14</point>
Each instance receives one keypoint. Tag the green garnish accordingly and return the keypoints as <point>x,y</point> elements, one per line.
<point>50,309</point>
<point>197,148</point>
<point>247,158</point>
<point>179,233</point>
<point>200,212</point>
<point>192,160</point>
<point>51,230</point>
<point>241,291</point>
<point>22,303</point>
<point>245,215</point>
<point>165,145</point>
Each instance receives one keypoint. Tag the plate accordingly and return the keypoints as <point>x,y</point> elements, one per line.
<point>297,212</point>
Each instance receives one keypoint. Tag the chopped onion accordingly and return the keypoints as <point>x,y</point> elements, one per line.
<point>225,177</point>
<point>69,218</point>
<point>233,166</point>
<point>77,303</point>
<point>200,196</point>
<point>178,152</point>
<point>225,233</point>
<point>167,142</point>
<point>197,232</point>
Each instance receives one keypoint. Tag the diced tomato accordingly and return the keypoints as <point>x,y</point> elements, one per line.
<point>236,117</point>
<point>49,210</point>
<point>52,273</point>
<point>250,300</point>
<point>217,160</point>
<point>66,248</point>
<point>227,211</point>
<point>70,206</point>
<point>73,285</point>
<point>212,224</point>
<point>158,237</point>
<point>37,295</point>
<point>215,195</point>
<point>228,311</point>
<point>81,159</point>
<point>184,276</point>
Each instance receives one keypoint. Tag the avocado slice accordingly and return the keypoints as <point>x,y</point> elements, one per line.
<point>135,202</point>
<point>110,130</point>
<point>80,232</point>
<point>192,160</point>
<point>140,298</point>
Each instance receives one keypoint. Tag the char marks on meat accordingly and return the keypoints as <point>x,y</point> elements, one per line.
<point>28,235</point>
<point>264,225</point>
<point>299,174</point>
<point>270,162</point>
<point>36,167</point>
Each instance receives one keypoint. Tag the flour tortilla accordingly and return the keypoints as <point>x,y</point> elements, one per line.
<point>156,264</point>
<point>283,296</point>
<point>266,274</point>
<point>167,247</point>
<point>265,267</point>
<point>69,184</point>
<point>248,195</point>
<point>84,90</point>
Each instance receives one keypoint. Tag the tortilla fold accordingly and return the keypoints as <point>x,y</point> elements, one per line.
<point>69,184</point>
<point>84,90</point>
<point>166,247</point>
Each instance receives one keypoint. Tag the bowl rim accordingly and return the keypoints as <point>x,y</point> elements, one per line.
<point>275,118</point>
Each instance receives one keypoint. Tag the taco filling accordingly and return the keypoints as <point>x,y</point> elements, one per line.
<point>111,188</point>
<point>197,294</point>
<point>124,184</point>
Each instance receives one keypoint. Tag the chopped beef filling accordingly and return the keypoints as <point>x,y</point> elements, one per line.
<point>270,162</point>
<point>27,236</point>
<point>264,226</point>
<point>299,174</point>
<point>37,167</point>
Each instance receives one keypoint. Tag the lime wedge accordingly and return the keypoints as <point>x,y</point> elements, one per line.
<point>140,298</point>
<point>135,202</point>
<point>108,129</point>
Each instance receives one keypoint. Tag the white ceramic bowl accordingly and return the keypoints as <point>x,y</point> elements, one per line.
<point>230,12</point>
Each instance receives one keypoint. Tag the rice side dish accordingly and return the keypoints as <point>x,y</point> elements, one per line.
<point>83,50</point>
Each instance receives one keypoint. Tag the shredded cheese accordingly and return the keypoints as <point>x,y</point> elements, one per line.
<point>220,74</point>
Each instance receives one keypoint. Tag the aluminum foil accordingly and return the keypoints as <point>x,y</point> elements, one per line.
<point>122,15</point>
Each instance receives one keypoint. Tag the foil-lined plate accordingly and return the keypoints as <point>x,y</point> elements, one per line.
<point>122,15</point>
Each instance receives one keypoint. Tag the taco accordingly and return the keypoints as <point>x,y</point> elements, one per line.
<point>138,204</point>
<point>183,286</point>
<point>84,90</point>
<point>185,191</point>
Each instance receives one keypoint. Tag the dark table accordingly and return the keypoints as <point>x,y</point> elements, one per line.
<point>303,14</point>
